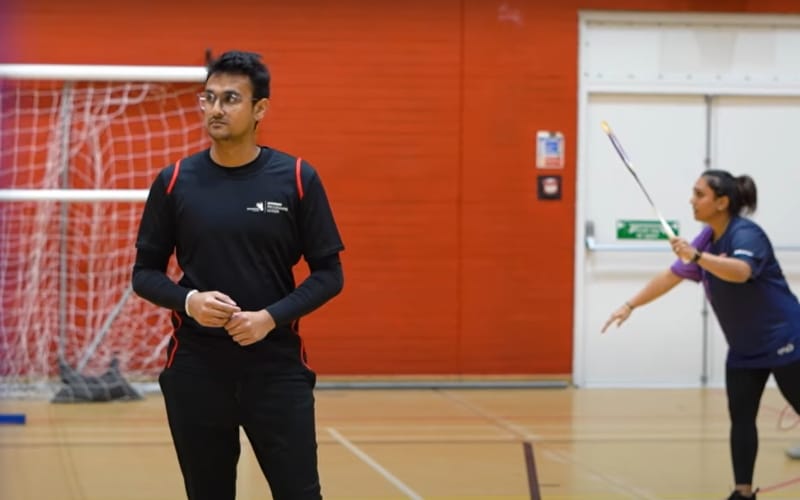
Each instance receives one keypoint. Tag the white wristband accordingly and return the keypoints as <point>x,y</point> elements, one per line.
<point>186,302</point>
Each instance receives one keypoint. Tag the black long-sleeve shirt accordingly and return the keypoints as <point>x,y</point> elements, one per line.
<point>239,231</point>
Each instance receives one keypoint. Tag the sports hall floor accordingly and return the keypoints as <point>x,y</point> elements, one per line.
<point>436,444</point>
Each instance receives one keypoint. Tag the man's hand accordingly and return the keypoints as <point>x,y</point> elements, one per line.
<point>212,309</point>
<point>248,327</point>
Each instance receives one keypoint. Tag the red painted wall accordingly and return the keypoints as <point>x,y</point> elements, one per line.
<point>421,117</point>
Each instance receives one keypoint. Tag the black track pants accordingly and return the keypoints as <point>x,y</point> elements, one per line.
<point>205,409</point>
<point>745,387</point>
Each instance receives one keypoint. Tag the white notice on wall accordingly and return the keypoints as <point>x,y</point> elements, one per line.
<point>549,149</point>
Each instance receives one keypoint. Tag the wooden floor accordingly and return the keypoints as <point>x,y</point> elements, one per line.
<point>551,444</point>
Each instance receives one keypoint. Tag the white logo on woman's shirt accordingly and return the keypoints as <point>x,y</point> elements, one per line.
<point>786,349</point>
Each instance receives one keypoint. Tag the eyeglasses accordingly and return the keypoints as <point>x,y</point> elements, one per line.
<point>229,99</point>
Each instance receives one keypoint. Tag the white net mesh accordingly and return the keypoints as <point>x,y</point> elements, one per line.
<point>65,266</point>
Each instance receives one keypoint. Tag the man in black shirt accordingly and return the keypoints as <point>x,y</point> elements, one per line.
<point>238,217</point>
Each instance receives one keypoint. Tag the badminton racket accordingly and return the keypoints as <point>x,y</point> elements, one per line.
<point>624,157</point>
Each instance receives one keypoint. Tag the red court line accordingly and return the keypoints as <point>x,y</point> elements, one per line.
<point>780,485</point>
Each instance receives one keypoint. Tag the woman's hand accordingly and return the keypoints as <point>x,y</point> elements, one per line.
<point>619,316</point>
<point>683,249</point>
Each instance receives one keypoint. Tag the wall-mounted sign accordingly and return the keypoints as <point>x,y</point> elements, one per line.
<point>549,149</point>
<point>549,187</point>
<point>644,229</point>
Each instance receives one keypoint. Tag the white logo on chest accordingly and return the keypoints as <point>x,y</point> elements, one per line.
<point>268,207</point>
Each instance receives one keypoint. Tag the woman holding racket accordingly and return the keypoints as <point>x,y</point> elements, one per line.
<point>758,313</point>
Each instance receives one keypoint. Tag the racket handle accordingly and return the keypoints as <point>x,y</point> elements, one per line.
<point>668,230</point>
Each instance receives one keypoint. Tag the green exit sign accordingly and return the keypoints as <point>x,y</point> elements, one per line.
<point>644,229</point>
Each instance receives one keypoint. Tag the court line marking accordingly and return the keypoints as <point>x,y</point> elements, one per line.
<point>780,485</point>
<point>513,428</point>
<point>517,430</point>
<point>355,450</point>
<point>530,466</point>
<point>617,484</point>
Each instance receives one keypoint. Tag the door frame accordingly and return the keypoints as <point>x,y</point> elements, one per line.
<point>619,80</point>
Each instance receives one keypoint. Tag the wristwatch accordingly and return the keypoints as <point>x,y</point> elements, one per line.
<point>697,255</point>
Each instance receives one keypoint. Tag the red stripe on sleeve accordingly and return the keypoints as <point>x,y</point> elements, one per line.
<point>299,178</point>
<point>174,176</point>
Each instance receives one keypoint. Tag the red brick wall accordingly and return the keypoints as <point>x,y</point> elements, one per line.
<point>421,117</point>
